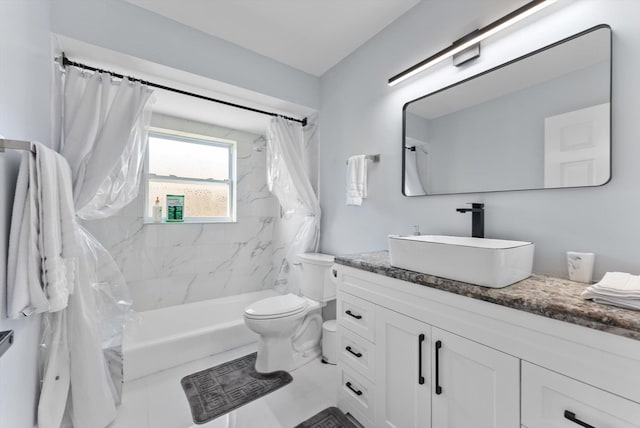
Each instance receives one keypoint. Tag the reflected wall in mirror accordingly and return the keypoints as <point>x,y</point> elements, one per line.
<point>539,121</point>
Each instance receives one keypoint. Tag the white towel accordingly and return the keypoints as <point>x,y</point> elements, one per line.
<point>42,244</point>
<point>356,179</point>
<point>57,227</point>
<point>25,295</point>
<point>616,288</point>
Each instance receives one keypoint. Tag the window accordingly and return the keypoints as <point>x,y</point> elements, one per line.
<point>198,167</point>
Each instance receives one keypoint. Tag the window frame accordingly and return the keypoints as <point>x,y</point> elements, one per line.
<point>191,138</point>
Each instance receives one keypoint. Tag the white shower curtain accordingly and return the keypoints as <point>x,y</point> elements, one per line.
<point>288,180</point>
<point>103,139</point>
<point>416,167</point>
<point>412,184</point>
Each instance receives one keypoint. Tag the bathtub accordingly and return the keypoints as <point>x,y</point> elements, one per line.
<point>163,338</point>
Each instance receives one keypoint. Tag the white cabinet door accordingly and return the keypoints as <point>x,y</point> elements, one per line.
<point>402,373</point>
<point>473,385</point>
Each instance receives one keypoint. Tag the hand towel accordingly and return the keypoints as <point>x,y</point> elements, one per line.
<point>616,288</point>
<point>25,294</point>
<point>42,241</point>
<point>58,245</point>
<point>356,179</point>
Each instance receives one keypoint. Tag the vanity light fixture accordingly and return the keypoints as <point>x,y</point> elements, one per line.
<point>472,39</point>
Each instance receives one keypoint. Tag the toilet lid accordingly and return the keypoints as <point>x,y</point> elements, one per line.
<point>317,259</point>
<point>278,306</point>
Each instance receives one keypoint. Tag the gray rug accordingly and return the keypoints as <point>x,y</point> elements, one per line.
<point>331,417</point>
<point>220,389</point>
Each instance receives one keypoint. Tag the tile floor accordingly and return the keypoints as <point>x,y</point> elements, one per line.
<point>157,401</point>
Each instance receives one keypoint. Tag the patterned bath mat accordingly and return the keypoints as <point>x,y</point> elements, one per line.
<point>220,389</point>
<point>330,417</point>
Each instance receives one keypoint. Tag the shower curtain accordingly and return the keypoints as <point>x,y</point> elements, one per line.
<point>416,164</point>
<point>412,184</point>
<point>288,179</point>
<point>103,138</point>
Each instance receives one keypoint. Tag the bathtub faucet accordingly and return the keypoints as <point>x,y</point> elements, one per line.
<point>477,219</point>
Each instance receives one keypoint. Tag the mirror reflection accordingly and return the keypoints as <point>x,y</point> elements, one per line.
<point>540,121</point>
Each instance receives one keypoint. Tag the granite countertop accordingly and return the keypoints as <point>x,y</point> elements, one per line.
<point>539,294</point>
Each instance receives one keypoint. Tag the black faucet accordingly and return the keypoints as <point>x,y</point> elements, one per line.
<point>477,219</point>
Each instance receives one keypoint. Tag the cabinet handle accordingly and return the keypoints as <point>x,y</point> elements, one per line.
<point>437,382</point>
<point>572,417</point>
<point>348,312</point>
<point>420,377</point>
<point>357,354</point>
<point>355,391</point>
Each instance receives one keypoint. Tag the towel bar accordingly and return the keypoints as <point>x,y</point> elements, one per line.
<point>374,158</point>
<point>16,145</point>
<point>6,340</point>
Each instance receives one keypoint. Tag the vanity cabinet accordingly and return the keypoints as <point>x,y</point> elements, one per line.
<point>416,357</point>
<point>357,363</point>
<point>384,365</point>
<point>423,376</point>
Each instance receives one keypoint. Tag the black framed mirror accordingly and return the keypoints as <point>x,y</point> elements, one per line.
<point>540,121</point>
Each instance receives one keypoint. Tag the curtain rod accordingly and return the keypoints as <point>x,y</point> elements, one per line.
<point>64,62</point>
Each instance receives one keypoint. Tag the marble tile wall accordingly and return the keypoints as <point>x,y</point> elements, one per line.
<point>171,264</point>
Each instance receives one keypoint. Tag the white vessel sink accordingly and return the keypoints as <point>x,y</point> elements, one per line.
<point>488,262</point>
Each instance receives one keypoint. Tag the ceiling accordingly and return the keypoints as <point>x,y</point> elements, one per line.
<point>309,35</point>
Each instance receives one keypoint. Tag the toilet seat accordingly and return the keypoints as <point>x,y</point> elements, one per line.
<point>276,307</point>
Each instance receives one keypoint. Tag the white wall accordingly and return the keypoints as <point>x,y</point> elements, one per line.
<point>126,28</point>
<point>361,114</point>
<point>25,66</point>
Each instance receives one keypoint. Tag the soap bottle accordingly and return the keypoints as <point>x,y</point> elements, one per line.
<point>157,211</point>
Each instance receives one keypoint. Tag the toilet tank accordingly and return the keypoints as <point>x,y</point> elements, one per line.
<point>316,280</point>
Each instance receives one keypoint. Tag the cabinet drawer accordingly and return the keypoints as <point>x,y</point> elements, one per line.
<point>356,393</point>
<point>550,400</point>
<point>357,352</point>
<point>357,315</point>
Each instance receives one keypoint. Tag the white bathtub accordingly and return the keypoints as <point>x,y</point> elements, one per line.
<point>159,339</point>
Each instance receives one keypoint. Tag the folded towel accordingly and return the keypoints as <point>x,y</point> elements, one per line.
<point>622,303</point>
<point>356,179</point>
<point>616,288</point>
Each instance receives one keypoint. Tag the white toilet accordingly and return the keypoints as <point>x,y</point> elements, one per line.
<point>290,326</point>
